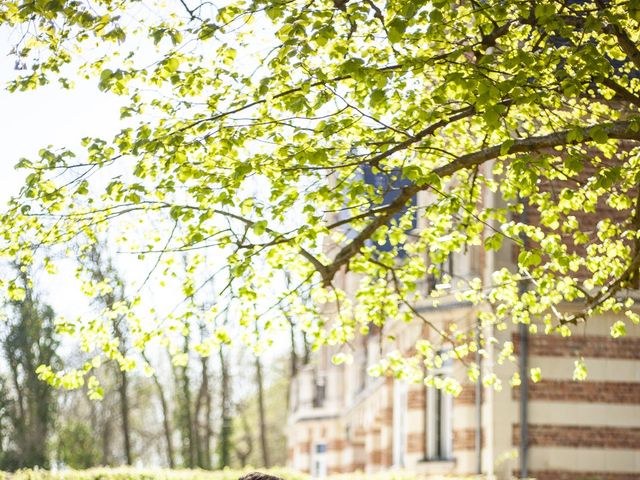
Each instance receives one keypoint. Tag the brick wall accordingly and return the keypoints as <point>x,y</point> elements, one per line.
<point>578,475</point>
<point>416,442</point>
<point>336,444</point>
<point>386,416</point>
<point>627,348</point>
<point>415,399</point>
<point>467,396</point>
<point>304,447</point>
<point>580,436</point>
<point>379,457</point>
<point>590,392</point>
<point>587,220</point>
<point>465,439</point>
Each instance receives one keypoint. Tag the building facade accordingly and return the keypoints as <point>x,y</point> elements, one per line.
<point>342,420</point>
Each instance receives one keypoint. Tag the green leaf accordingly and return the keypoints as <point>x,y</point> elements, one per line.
<point>493,242</point>
<point>580,370</point>
<point>105,78</point>
<point>492,117</point>
<point>172,64</point>
<point>377,96</point>
<point>506,145</point>
<point>529,259</point>
<point>536,374</point>
<point>598,134</point>
<point>397,28</point>
<point>260,227</point>
<point>618,329</point>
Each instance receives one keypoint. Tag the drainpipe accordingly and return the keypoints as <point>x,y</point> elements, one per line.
<point>425,420</point>
<point>524,401</point>
<point>491,201</point>
<point>523,361</point>
<point>478,404</point>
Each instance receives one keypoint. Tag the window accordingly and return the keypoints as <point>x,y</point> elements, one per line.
<point>319,460</point>
<point>439,418</point>
<point>295,393</point>
<point>399,423</point>
<point>361,372</point>
<point>442,269</point>
<point>362,364</point>
<point>388,186</point>
<point>319,390</point>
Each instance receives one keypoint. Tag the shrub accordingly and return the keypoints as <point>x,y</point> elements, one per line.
<point>126,473</point>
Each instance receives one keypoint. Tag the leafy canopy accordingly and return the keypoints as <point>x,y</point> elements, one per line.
<point>250,126</point>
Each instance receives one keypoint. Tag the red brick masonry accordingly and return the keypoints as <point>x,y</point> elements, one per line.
<point>415,399</point>
<point>465,439</point>
<point>590,392</point>
<point>627,348</point>
<point>304,447</point>
<point>467,396</point>
<point>580,436</point>
<point>578,475</point>
<point>415,442</point>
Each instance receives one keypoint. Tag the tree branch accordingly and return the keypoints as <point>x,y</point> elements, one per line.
<point>617,130</point>
<point>621,92</point>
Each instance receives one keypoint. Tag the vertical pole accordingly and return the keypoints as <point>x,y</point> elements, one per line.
<point>524,366</point>
<point>524,401</point>
<point>478,404</point>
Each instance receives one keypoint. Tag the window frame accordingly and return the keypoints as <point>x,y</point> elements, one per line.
<point>439,411</point>
<point>400,424</point>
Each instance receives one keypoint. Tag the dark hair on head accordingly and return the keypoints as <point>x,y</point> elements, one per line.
<point>259,476</point>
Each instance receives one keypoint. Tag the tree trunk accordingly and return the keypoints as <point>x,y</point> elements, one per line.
<point>225,431</point>
<point>188,440</point>
<point>196,428</point>
<point>307,349</point>
<point>203,452</point>
<point>106,443</point>
<point>124,412</point>
<point>123,389</point>
<point>243,455</point>
<point>206,443</point>
<point>262,414</point>
<point>293,358</point>
<point>101,268</point>
<point>166,421</point>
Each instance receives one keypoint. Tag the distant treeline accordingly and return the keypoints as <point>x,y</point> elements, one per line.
<point>208,411</point>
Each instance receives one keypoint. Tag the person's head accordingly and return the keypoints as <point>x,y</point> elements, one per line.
<point>259,476</point>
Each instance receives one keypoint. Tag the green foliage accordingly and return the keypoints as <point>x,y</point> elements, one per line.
<point>27,340</point>
<point>246,420</point>
<point>253,122</point>
<point>138,474</point>
<point>159,474</point>
<point>76,446</point>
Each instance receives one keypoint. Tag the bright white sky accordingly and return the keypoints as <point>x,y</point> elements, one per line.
<point>54,116</point>
<point>50,115</point>
<point>47,116</point>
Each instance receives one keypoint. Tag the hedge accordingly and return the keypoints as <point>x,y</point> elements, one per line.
<point>166,474</point>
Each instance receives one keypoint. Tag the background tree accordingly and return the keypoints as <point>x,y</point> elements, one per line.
<point>105,277</point>
<point>247,436</point>
<point>184,404</point>
<point>75,445</point>
<point>166,413</point>
<point>27,407</point>
<point>225,439</point>
<point>242,442</point>
<point>268,162</point>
